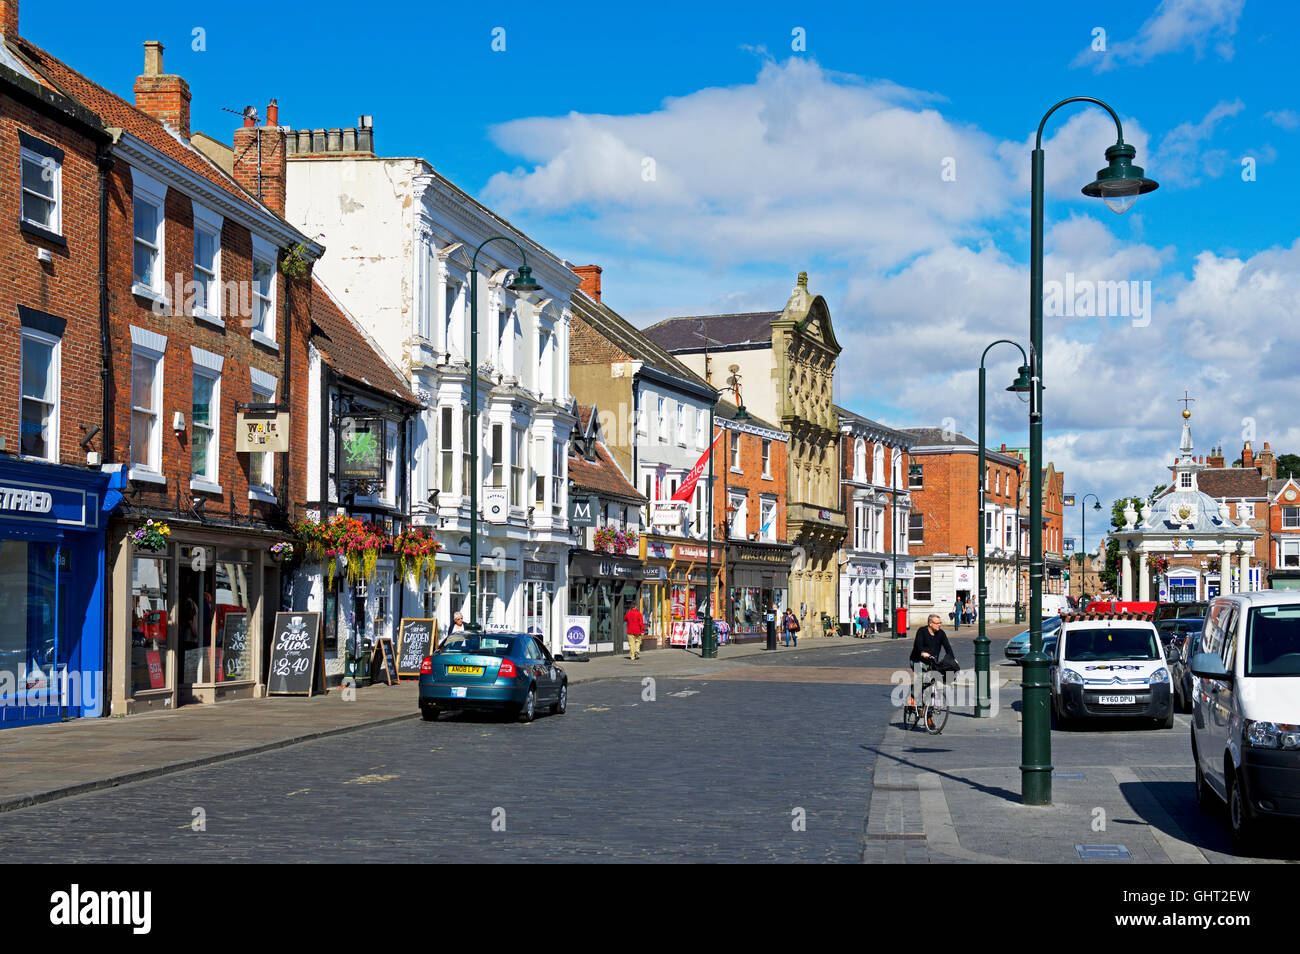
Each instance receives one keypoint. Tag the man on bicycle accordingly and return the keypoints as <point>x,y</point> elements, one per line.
<point>931,638</point>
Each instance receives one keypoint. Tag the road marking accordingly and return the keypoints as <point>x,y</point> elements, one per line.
<point>684,693</point>
<point>596,709</point>
<point>298,792</point>
<point>1167,833</point>
<point>370,779</point>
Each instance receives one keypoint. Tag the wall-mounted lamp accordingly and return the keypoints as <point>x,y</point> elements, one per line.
<point>178,421</point>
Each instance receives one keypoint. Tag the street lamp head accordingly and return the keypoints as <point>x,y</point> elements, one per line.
<point>1121,182</point>
<point>1097,505</point>
<point>741,414</point>
<point>524,281</point>
<point>1024,382</point>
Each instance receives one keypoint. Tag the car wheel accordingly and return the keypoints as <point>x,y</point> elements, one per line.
<point>529,708</point>
<point>1240,818</point>
<point>429,713</point>
<point>562,701</point>
<point>1168,721</point>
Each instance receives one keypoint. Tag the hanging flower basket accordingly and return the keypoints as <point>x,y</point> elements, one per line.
<point>282,552</point>
<point>1158,563</point>
<point>152,536</point>
<point>415,550</point>
<point>360,545</point>
<point>614,541</point>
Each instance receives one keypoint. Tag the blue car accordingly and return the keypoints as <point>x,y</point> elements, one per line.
<point>512,673</point>
<point>1018,646</point>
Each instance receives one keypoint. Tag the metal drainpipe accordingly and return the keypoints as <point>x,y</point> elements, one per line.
<point>105,163</point>
<point>288,350</point>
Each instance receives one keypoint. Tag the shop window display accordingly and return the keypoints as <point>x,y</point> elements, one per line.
<point>31,657</point>
<point>149,624</point>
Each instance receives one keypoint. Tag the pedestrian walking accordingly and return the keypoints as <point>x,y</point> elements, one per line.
<point>635,625</point>
<point>791,627</point>
<point>864,621</point>
<point>955,616</point>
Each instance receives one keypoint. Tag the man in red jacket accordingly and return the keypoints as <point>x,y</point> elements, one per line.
<point>635,630</point>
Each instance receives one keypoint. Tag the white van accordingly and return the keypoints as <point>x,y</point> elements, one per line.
<point>1108,665</point>
<point>1246,710</point>
<point>1054,604</point>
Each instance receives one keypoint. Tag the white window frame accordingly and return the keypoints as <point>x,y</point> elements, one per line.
<point>207,365</point>
<point>518,472</point>
<point>859,459</point>
<point>145,188</point>
<point>766,449</point>
<point>1185,480</point>
<point>392,435</point>
<point>664,420</point>
<point>266,253</point>
<point>263,388</point>
<point>30,155</point>
<point>733,451</point>
<point>740,518</point>
<point>1288,552</point>
<point>55,345</point>
<point>767,505</point>
<point>701,425</point>
<point>152,345</point>
<point>681,424</point>
<point>209,223</point>
<point>1293,522</point>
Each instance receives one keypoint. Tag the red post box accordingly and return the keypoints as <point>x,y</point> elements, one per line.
<point>900,621</point>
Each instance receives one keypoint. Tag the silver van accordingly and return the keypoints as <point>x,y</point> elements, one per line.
<point>1246,710</point>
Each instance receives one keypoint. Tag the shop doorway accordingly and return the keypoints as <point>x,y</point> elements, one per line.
<point>537,610</point>
<point>214,601</point>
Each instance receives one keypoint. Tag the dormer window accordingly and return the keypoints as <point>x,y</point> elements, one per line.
<point>1185,480</point>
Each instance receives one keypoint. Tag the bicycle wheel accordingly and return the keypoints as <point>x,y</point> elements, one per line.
<point>911,716</point>
<point>936,710</point>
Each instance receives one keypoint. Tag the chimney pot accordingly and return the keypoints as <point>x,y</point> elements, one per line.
<point>318,140</point>
<point>272,113</point>
<point>350,140</point>
<point>334,141</point>
<point>153,58</point>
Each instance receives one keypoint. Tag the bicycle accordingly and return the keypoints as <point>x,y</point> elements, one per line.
<point>933,707</point>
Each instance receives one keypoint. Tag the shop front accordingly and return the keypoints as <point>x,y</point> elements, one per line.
<point>603,588</point>
<point>191,614</point>
<point>539,600</point>
<point>675,597</point>
<point>51,593</point>
<point>758,580</point>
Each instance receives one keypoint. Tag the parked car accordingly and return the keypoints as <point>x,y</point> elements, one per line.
<point>1178,635</point>
<point>1107,666</point>
<point>1166,611</point>
<point>510,672</point>
<point>1246,711</point>
<point>1018,645</point>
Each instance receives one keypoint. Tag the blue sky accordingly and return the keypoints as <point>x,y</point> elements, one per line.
<point>770,160</point>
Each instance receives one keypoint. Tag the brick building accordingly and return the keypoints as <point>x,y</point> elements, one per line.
<point>749,510</point>
<point>876,565</point>
<point>206,310</point>
<point>945,521</point>
<point>52,496</point>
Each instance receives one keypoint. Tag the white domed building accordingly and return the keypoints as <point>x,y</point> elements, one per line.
<point>1184,547</point>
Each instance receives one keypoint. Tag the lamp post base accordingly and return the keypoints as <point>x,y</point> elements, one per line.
<point>982,675</point>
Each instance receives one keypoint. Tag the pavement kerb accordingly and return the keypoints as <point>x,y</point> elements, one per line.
<point>940,832</point>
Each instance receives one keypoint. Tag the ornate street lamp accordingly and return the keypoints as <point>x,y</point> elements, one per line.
<point>525,286</point>
<point>708,638</point>
<point>1119,184</point>
<point>1083,539</point>
<point>1021,384</point>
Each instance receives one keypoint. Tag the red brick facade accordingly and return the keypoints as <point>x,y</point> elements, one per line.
<point>748,477</point>
<point>64,287</point>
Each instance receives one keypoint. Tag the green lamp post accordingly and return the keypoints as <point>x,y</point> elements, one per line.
<point>1119,185</point>
<point>524,285</point>
<point>1021,384</point>
<point>1083,539</point>
<point>708,638</point>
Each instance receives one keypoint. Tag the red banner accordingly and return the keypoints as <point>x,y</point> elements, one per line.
<point>687,490</point>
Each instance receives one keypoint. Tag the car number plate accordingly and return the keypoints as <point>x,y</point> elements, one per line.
<point>465,670</point>
<point>1117,700</point>
<point>458,692</point>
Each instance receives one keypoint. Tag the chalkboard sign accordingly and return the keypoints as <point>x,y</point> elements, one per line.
<point>293,654</point>
<point>384,656</point>
<point>234,647</point>
<point>415,641</point>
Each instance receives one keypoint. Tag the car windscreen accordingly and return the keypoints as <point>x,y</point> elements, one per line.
<point>1273,641</point>
<point>479,645</point>
<point>1103,644</point>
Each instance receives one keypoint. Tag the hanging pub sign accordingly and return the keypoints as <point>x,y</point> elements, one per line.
<point>361,442</point>
<point>582,511</point>
<point>257,431</point>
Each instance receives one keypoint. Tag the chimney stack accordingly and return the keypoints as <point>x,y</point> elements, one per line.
<point>590,275</point>
<point>1247,456</point>
<point>9,19</point>
<point>1216,457</point>
<point>260,159</point>
<point>1267,462</point>
<point>164,97</point>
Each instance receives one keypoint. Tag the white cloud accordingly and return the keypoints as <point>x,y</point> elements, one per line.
<point>1287,119</point>
<point>1175,26</point>
<point>1181,157</point>
<point>802,161</point>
